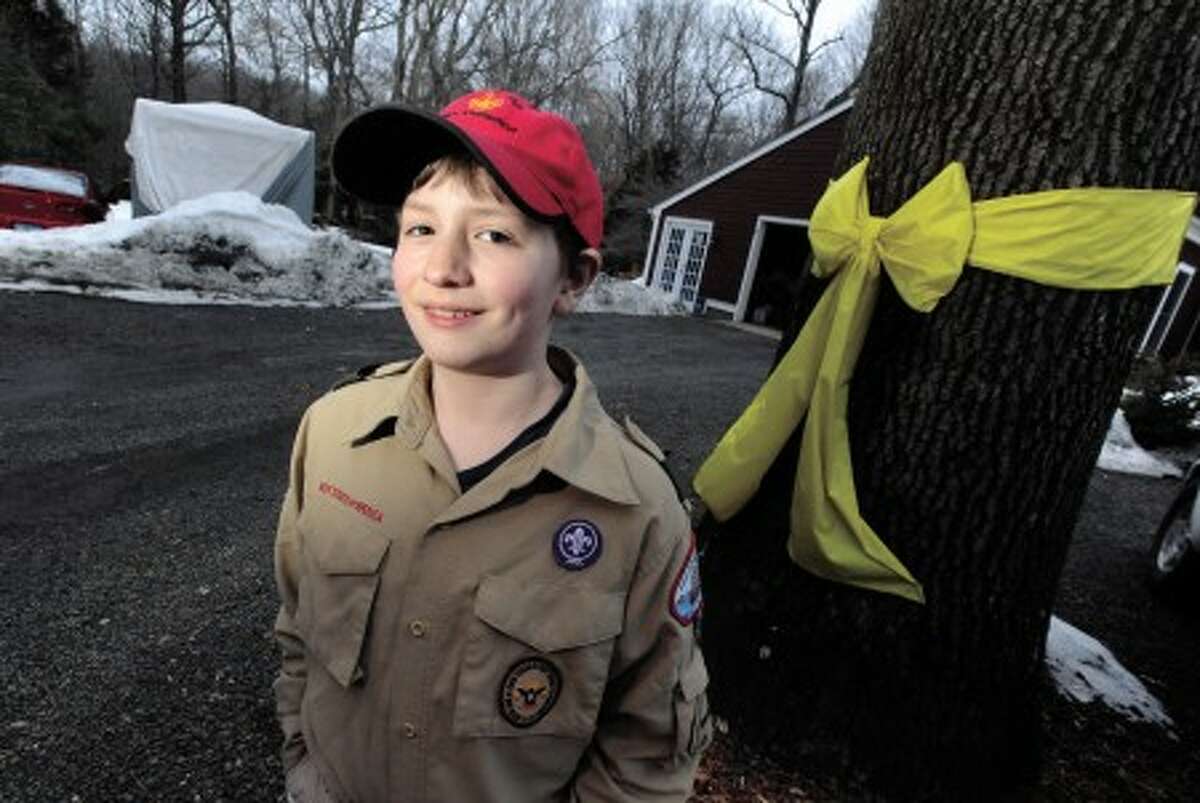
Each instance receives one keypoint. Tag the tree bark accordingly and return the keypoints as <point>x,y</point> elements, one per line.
<point>178,20</point>
<point>974,429</point>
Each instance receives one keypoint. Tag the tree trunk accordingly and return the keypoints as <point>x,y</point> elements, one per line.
<point>974,429</point>
<point>178,10</point>
<point>155,47</point>
<point>231,61</point>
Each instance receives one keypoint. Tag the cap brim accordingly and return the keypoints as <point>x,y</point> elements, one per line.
<point>379,153</point>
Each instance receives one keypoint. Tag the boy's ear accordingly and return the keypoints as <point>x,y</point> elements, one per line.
<point>578,279</point>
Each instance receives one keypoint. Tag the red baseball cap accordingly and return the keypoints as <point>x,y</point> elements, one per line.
<point>538,158</point>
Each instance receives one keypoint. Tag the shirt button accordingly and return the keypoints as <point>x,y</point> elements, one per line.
<point>410,730</point>
<point>417,628</point>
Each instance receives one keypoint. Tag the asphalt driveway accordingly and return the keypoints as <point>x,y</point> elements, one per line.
<point>143,453</point>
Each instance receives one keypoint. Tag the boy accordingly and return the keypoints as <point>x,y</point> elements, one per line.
<point>488,588</point>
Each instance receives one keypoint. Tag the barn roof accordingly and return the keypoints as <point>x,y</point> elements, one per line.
<point>779,141</point>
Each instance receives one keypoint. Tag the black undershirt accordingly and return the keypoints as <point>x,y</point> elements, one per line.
<point>476,474</point>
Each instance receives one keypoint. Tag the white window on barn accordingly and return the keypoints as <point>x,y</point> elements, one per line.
<point>681,257</point>
<point>1168,307</point>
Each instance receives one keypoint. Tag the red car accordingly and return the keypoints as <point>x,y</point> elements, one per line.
<point>36,197</point>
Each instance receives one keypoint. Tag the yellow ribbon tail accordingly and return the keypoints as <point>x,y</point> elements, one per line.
<point>829,537</point>
<point>732,472</point>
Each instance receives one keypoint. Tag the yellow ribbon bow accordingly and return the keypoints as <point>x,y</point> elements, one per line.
<point>1088,238</point>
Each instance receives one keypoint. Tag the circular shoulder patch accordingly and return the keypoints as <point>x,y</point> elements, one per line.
<point>529,690</point>
<point>577,545</point>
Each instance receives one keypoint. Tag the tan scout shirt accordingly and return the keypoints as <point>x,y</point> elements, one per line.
<point>529,640</point>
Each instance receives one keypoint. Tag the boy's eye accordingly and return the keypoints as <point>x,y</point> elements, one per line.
<point>495,236</point>
<point>417,230</point>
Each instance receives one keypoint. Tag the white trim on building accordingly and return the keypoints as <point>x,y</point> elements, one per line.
<point>1169,303</point>
<point>751,268</point>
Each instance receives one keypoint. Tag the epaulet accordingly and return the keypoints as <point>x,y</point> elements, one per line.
<point>373,371</point>
<point>642,441</point>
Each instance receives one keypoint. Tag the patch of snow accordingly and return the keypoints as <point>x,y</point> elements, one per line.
<point>608,294</point>
<point>223,247</point>
<point>1122,453</point>
<point>44,179</point>
<point>231,248</point>
<point>1085,670</point>
<point>121,210</point>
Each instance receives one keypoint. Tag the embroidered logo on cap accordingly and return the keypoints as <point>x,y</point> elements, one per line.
<point>686,599</point>
<point>577,545</point>
<point>485,102</point>
<point>529,690</point>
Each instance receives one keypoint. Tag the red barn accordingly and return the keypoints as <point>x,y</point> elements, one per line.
<point>732,240</point>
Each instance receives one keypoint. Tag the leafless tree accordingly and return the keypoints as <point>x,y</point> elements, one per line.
<point>674,81</point>
<point>434,40</point>
<point>546,48</point>
<point>333,30</point>
<point>190,23</point>
<point>779,66</point>
<point>166,32</point>
<point>222,14</point>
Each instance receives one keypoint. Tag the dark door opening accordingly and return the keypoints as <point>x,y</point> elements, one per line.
<point>782,266</point>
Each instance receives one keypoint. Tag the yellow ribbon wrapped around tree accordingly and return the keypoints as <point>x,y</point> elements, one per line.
<point>1087,239</point>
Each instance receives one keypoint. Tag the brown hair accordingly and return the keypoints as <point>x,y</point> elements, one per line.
<point>480,182</point>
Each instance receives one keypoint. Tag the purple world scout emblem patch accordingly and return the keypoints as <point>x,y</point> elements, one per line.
<point>577,545</point>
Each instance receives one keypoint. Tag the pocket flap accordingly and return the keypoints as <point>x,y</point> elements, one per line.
<point>550,617</point>
<point>353,552</point>
<point>694,678</point>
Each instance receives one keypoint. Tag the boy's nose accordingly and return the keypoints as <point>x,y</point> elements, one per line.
<point>447,263</point>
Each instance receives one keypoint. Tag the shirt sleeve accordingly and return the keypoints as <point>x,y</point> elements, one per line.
<point>654,722</point>
<point>289,683</point>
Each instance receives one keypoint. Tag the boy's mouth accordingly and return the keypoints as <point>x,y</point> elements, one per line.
<point>450,313</point>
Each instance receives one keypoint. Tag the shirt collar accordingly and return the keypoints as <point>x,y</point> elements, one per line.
<point>406,401</point>
<point>583,448</point>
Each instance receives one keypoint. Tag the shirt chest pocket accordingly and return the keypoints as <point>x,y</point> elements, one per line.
<point>336,598</point>
<point>536,660</point>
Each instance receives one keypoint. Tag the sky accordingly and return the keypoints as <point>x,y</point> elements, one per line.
<point>833,15</point>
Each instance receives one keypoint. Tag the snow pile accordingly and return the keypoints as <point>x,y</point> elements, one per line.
<point>231,248</point>
<point>1085,670</point>
<point>223,246</point>
<point>608,294</point>
<point>1122,453</point>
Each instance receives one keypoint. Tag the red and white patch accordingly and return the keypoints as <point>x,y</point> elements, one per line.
<point>686,599</point>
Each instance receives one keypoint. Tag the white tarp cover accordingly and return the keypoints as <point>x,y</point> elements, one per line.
<point>187,150</point>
